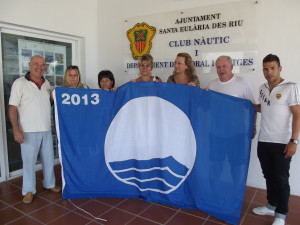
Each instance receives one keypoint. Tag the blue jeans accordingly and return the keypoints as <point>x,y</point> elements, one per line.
<point>37,143</point>
<point>275,168</point>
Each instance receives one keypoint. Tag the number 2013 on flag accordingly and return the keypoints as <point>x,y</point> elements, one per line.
<point>75,99</point>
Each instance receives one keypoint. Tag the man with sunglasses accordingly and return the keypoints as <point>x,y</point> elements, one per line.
<point>30,116</point>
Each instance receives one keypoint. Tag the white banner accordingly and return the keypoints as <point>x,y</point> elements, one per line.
<point>205,33</point>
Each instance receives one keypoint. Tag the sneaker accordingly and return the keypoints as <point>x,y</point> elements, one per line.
<point>263,211</point>
<point>28,198</point>
<point>278,221</point>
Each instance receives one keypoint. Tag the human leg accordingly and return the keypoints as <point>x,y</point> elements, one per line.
<point>47,157</point>
<point>281,176</point>
<point>264,151</point>
<point>276,172</point>
<point>29,151</point>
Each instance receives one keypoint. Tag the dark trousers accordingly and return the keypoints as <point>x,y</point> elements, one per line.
<point>275,168</point>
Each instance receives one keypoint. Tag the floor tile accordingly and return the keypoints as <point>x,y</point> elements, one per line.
<point>249,194</point>
<point>9,214</point>
<point>12,198</point>
<point>210,222</point>
<point>50,208</point>
<point>49,213</point>
<point>50,196</point>
<point>294,204</point>
<point>214,219</point>
<point>7,188</point>
<point>79,202</point>
<point>135,206</point>
<point>167,206</point>
<point>195,213</point>
<point>158,213</point>
<point>67,203</point>
<point>17,182</point>
<point>3,205</point>
<point>260,197</point>
<point>245,207</point>
<point>92,209</point>
<point>36,204</point>
<point>39,175</point>
<point>117,216</point>
<point>141,221</point>
<point>111,201</point>
<point>249,220</point>
<point>70,218</point>
<point>39,187</point>
<point>26,220</point>
<point>293,218</point>
<point>183,218</point>
<point>96,222</point>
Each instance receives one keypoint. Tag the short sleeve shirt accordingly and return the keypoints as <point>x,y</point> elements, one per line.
<point>33,104</point>
<point>276,115</point>
<point>237,86</point>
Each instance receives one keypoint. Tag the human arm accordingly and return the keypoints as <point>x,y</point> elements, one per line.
<point>257,107</point>
<point>290,148</point>
<point>51,97</point>
<point>254,126</point>
<point>157,79</point>
<point>13,117</point>
<point>171,79</point>
<point>195,82</point>
<point>114,88</point>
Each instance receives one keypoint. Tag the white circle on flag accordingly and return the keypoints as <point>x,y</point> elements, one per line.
<point>150,144</point>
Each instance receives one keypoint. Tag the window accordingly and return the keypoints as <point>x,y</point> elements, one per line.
<point>16,50</point>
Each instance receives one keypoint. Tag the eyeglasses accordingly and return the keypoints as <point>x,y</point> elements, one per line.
<point>39,65</point>
<point>72,67</point>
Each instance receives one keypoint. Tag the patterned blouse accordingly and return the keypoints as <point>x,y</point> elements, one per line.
<point>195,80</point>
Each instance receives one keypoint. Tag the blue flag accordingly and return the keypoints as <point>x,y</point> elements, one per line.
<point>166,143</point>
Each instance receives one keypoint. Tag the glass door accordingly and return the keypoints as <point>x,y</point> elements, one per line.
<point>16,50</point>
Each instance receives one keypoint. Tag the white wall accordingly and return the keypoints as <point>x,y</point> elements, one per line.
<point>279,32</point>
<point>72,17</point>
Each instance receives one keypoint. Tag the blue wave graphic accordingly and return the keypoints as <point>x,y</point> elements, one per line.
<point>158,174</point>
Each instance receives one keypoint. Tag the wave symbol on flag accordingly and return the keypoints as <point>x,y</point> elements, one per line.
<point>150,144</point>
<point>147,174</point>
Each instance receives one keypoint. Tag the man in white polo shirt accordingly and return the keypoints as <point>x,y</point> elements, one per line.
<point>30,116</point>
<point>237,86</point>
<point>278,136</point>
<point>229,83</point>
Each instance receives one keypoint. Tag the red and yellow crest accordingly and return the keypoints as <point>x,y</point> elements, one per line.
<point>140,38</point>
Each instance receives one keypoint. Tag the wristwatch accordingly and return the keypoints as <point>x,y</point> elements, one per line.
<point>295,141</point>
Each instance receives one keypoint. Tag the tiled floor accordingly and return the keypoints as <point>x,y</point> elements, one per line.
<point>49,208</point>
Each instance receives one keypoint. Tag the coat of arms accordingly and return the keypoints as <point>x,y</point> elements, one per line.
<point>140,38</point>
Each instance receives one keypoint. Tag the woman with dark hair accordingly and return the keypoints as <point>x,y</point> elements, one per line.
<point>184,71</point>
<point>106,80</point>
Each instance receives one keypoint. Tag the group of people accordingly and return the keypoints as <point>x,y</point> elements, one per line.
<point>184,70</point>
<point>279,105</point>
<point>72,79</point>
<point>184,73</point>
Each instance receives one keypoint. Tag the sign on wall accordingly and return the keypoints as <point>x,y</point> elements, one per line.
<point>205,33</point>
